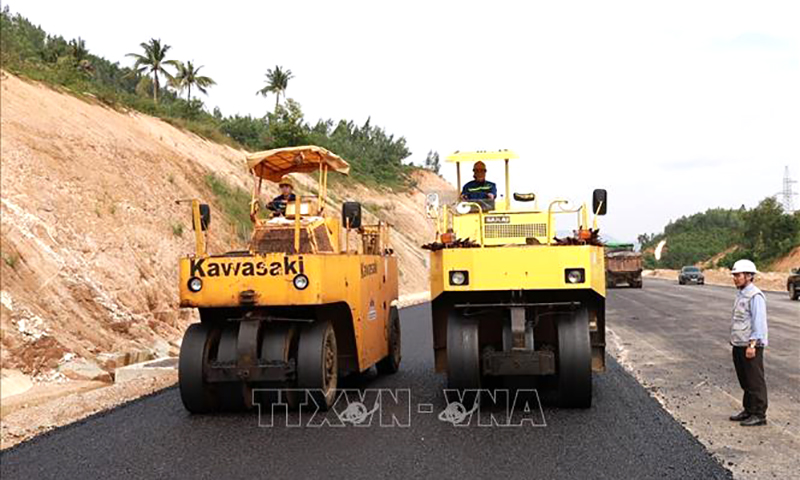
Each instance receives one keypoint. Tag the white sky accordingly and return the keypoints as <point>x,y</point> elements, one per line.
<point>674,108</point>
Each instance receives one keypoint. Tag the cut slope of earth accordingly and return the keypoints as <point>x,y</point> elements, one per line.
<point>789,262</point>
<point>91,233</point>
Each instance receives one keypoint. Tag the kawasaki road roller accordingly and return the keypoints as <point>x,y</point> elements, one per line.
<point>512,302</point>
<point>311,299</point>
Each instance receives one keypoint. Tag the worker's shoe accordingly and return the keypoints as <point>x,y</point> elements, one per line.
<point>753,421</point>
<point>743,415</point>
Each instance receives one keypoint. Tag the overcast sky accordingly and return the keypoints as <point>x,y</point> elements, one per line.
<point>674,108</point>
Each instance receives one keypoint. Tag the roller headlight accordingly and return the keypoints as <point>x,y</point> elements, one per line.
<point>195,284</point>
<point>300,282</point>
<point>459,278</point>
<point>575,275</point>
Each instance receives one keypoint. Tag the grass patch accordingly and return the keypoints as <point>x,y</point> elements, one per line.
<point>383,212</point>
<point>234,203</point>
<point>11,259</point>
<point>205,129</point>
<point>177,229</point>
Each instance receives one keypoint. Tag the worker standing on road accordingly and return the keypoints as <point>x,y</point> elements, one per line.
<point>479,188</point>
<point>278,204</point>
<point>749,338</point>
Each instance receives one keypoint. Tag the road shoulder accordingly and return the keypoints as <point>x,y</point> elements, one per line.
<point>701,403</point>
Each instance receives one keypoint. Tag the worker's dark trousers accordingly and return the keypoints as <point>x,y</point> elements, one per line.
<point>751,378</point>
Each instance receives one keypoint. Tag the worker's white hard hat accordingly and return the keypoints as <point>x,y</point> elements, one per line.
<point>744,266</point>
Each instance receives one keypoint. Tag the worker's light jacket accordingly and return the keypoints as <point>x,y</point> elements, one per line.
<point>749,317</point>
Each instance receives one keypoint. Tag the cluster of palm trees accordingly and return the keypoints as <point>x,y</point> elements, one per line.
<point>153,62</point>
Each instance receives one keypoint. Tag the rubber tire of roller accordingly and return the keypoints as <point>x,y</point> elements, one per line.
<point>391,363</point>
<point>231,394</point>
<point>574,360</point>
<point>274,340</point>
<point>463,353</point>
<point>311,363</point>
<point>197,395</point>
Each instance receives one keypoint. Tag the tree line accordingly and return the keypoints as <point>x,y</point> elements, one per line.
<point>762,234</point>
<point>154,84</point>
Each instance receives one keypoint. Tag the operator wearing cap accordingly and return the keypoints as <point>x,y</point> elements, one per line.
<point>278,204</point>
<point>749,338</point>
<point>479,188</point>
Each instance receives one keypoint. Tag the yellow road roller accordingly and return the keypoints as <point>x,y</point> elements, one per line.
<point>512,302</point>
<point>311,299</point>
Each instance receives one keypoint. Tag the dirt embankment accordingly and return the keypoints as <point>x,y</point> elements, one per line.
<point>90,231</point>
<point>789,262</point>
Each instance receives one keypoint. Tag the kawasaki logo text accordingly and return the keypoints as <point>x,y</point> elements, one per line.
<point>204,267</point>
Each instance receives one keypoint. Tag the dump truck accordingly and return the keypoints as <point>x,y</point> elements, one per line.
<point>623,265</point>
<point>793,284</point>
<point>510,300</point>
<point>311,299</point>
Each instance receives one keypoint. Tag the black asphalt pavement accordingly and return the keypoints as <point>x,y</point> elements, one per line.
<point>625,435</point>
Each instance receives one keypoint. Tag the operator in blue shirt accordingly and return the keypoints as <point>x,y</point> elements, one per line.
<point>749,338</point>
<point>479,188</point>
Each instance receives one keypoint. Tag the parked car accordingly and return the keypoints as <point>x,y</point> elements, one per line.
<point>793,284</point>
<point>691,275</point>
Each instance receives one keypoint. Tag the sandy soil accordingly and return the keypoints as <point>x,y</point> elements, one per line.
<point>789,262</point>
<point>54,405</point>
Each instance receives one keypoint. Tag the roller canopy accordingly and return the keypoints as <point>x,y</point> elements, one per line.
<point>458,157</point>
<point>273,164</point>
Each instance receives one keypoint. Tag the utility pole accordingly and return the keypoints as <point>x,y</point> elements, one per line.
<point>787,193</point>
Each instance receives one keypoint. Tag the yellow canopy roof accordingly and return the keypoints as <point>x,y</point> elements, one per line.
<point>483,156</point>
<point>274,164</point>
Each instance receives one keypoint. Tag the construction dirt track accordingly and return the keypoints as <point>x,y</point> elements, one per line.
<point>625,434</point>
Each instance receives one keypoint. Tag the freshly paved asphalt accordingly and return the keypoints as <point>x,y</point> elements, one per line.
<point>625,434</point>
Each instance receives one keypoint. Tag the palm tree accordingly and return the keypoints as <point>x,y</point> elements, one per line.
<point>77,48</point>
<point>152,62</point>
<point>187,77</point>
<point>79,53</point>
<point>277,81</point>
